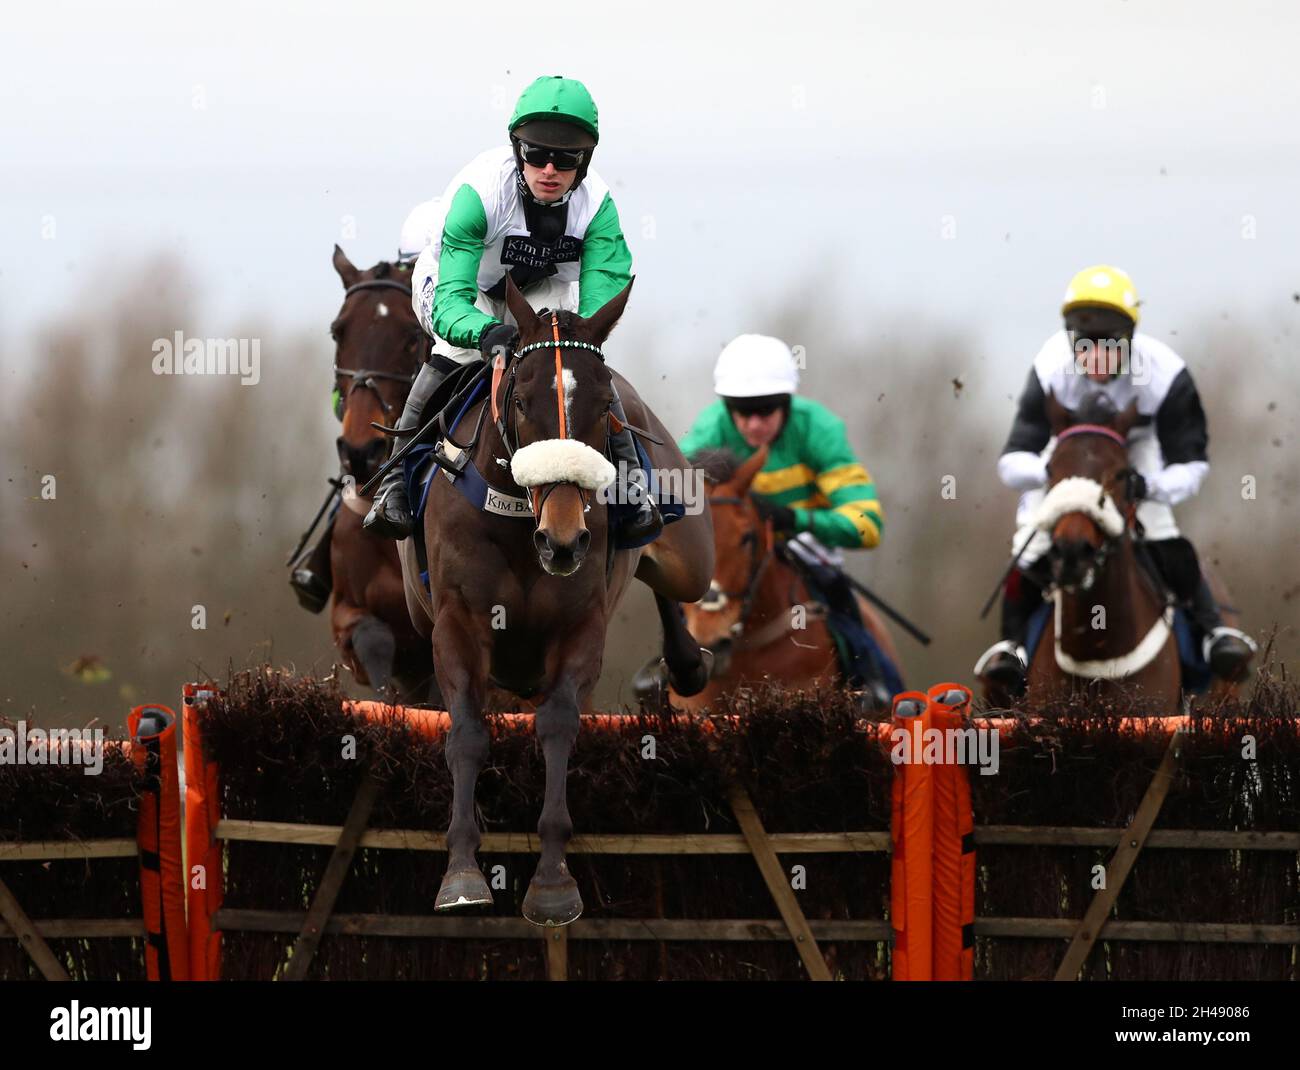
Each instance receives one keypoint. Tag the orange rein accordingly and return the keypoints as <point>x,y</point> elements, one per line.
<point>534,498</point>
<point>559,374</point>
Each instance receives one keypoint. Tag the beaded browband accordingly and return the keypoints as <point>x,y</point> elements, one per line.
<point>568,343</point>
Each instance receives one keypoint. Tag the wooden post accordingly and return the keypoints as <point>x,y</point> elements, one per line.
<point>774,877</point>
<point>32,942</point>
<point>1130,846</point>
<point>336,870</point>
<point>557,953</point>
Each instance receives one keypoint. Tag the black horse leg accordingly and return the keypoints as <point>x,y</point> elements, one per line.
<point>687,670</point>
<point>376,648</point>
<point>467,751</point>
<point>552,897</point>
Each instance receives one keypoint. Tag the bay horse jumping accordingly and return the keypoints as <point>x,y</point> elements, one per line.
<point>758,617</point>
<point>522,601</point>
<point>379,346</point>
<point>1110,631</point>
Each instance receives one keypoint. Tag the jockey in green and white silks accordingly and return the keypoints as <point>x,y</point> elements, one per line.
<point>812,481</point>
<point>536,210</point>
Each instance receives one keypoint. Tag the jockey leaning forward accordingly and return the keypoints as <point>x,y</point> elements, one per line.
<point>1099,352</point>
<point>536,210</point>
<point>811,482</point>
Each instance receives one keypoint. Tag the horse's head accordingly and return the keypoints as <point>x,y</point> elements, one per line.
<point>1089,506</point>
<point>742,541</point>
<point>378,348</point>
<point>556,415</point>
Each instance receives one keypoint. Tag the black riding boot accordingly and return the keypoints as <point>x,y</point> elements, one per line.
<point>311,578</point>
<point>1226,650</point>
<point>646,522</point>
<point>390,516</point>
<point>1006,661</point>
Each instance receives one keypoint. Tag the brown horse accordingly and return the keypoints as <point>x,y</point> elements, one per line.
<point>1110,631</point>
<point>758,618</point>
<point>379,346</point>
<point>522,602</point>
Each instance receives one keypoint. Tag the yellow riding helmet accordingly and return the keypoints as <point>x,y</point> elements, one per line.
<point>1103,285</point>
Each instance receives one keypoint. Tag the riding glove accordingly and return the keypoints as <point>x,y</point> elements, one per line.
<point>781,516</point>
<point>500,336</point>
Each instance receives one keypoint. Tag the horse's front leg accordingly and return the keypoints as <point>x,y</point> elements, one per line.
<point>459,662</point>
<point>553,897</point>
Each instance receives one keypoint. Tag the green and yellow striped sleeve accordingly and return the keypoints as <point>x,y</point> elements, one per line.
<point>854,517</point>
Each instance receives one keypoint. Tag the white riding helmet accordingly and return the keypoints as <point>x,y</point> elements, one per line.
<point>417,231</point>
<point>755,366</point>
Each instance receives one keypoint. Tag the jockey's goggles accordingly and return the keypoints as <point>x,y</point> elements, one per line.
<point>541,155</point>
<point>760,406</point>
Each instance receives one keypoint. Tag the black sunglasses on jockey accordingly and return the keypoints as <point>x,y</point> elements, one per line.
<point>541,155</point>
<point>759,406</point>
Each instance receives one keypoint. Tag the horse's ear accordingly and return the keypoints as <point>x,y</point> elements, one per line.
<point>1125,420</point>
<point>1058,416</point>
<point>746,472</point>
<point>602,321</point>
<point>525,317</point>
<point>347,271</point>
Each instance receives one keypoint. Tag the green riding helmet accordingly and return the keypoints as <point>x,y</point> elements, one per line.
<point>558,113</point>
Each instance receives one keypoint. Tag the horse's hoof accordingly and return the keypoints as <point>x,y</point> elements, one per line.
<point>649,680</point>
<point>697,679</point>
<point>553,904</point>
<point>463,888</point>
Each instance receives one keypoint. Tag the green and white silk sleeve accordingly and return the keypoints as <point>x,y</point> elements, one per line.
<point>455,316</point>
<point>606,259</point>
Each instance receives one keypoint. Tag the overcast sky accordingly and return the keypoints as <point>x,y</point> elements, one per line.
<point>750,150</point>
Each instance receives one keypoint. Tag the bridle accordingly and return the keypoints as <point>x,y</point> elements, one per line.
<point>1149,646</point>
<point>759,566</point>
<point>369,378</point>
<point>1109,542</point>
<point>503,414</point>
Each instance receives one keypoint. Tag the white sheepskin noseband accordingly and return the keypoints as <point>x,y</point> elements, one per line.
<point>1078,494</point>
<point>561,460</point>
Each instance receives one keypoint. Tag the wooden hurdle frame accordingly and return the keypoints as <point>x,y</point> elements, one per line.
<point>162,924</point>
<point>1082,934</point>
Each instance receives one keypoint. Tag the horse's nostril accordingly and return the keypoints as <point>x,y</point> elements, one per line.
<point>542,543</point>
<point>584,540</point>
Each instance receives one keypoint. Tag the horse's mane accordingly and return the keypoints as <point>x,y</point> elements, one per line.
<point>719,465</point>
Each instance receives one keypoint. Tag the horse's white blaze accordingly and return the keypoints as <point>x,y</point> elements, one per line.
<point>570,385</point>
<point>382,310</point>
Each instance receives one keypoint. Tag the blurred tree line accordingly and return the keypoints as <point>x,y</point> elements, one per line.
<point>176,492</point>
